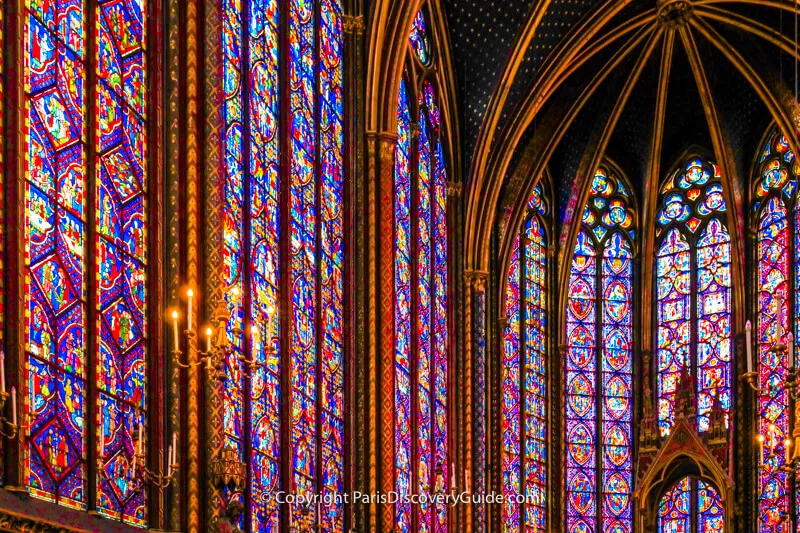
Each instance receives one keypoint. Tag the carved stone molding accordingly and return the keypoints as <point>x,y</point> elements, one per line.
<point>674,13</point>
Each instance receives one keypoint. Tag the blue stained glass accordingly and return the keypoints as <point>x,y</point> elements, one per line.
<point>693,238</point>
<point>599,366</point>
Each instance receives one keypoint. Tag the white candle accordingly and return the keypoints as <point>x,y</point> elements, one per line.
<point>175,329</point>
<point>169,458</point>
<point>235,293</point>
<point>190,294</point>
<point>748,334</point>
<point>209,332</point>
<point>174,448</point>
<point>761,449</point>
<point>2,371</point>
<point>14,405</point>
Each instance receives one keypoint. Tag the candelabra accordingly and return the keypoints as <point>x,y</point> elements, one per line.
<point>13,427</point>
<point>217,348</point>
<point>770,438</point>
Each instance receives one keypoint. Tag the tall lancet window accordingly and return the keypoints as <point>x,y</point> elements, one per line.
<point>525,379</point>
<point>283,238</point>
<point>421,314</point>
<point>693,291</point>
<point>599,397</point>
<point>87,219</point>
<point>778,219</point>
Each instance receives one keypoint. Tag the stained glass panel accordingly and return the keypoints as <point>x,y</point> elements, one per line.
<point>311,245</point>
<point>440,327</point>
<point>55,251</point>
<point>535,380</point>
<point>121,260</point>
<point>426,467</point>
<point>512,414</point>
<point>302,264</point>
<point>233,71</point>
<point>264,232</point>
<point>524,415</point>
<point>331,396</point>
<point>402,310</point>
<point>600,363</point>
<point>691,506</point>
<point>693,260</point>
<point>581,394</point>
<point>419,38</point>
<point>775,189</point>
<point>511,386</point>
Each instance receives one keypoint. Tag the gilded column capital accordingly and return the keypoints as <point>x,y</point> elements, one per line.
<point>353,25</point>
<point>454,189</point>
<point>477,279</point>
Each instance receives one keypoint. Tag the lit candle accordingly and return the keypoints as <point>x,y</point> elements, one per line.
<point>270,332</point>
<point>14,405</point>
<point>787,447</point>
<point>209,332</point>
<point>761,449</point>
<point>235,293</point>
<point>175,328</point>
<point>190,294</point>
<point>748,334</point>
<point>2,371</point>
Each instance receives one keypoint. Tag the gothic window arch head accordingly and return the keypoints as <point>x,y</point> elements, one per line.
<point>70,184</point>
<point>526,347</point>
<point>423,460</point>
<point>777,222</point>
<point>283,250</point>
<point>599,361</point>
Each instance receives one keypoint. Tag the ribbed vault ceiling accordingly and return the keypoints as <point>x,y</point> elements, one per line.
<point>655,78</point>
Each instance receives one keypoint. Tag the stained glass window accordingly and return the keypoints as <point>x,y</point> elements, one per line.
<point>524,385</point>
<point>693,261</point>
<point>421,312</point>
<point>57,217</point>
<point>599,366</point>
<point>300,264</point>
<point>778,228</point>
<point>419,38</point>
<point>691,506</point>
